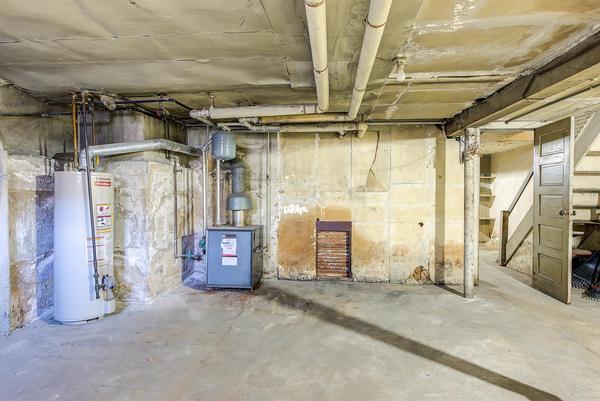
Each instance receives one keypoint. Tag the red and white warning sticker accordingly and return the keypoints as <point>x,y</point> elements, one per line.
<point>102,182</point>
<point>103,209</point>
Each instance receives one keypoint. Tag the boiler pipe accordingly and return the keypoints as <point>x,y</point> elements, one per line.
<point>88,175</point>
<point>204,189</point>
<point>74,125</point>
<point>175,211</point>
<point>218,221</point>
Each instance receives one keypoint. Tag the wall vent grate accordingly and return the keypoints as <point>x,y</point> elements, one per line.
<point>334,249</point>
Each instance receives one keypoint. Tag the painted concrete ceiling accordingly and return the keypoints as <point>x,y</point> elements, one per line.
<point>249,52</point>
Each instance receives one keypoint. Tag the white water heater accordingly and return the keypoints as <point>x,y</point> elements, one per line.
<point>75,295</point>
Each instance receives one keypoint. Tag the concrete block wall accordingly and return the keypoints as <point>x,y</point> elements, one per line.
<point>401,187</point>
<point>31,239</point>
<point>145,260</point>
<point>29,143</point>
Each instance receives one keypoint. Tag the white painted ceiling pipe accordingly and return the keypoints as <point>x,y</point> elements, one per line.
<point>306,118</point>
<point>253,111</point>
<point>360,128</point>
<point>332,127</point>
<point>375,23</point>
<point>316,18</point>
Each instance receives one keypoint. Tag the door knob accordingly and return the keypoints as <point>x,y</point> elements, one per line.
<point>564,211</point>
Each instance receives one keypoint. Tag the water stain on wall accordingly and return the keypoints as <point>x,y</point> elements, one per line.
<point>449,263</point>
<point>453,255</point>
<point>369,258</point>
<point>296,245</point>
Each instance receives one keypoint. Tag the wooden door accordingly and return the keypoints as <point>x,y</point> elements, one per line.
<point>552,209</point>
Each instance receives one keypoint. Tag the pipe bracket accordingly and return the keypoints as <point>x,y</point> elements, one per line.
<point>374,26</point>
<point>317,4</point>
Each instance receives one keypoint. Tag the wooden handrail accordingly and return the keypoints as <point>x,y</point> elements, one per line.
<point>521,190</point>
<point>505,215</point>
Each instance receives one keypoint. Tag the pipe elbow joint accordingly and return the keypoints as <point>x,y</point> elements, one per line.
<point>200,113</point>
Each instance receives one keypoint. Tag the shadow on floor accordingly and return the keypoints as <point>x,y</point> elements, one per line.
<point>332,316</point>
<point>453,290</point>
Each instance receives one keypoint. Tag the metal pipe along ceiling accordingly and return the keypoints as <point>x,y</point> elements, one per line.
<point>361,128</point>
<point>316,19</point>
<point>133,147</point>
<point>375,24</point>
<point>253,111</point>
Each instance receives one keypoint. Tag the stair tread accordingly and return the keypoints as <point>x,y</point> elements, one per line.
<point>586,190</point>
<point>593,153</point>
<point>582,222</point>
<point>587,172</point>
<point>586,206</point>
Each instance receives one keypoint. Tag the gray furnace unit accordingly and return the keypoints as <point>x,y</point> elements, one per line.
<point>234,257</point>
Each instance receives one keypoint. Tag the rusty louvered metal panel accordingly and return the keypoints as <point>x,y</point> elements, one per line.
<point>333,249</point>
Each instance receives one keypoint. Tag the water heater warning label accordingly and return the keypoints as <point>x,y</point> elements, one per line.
<point>103,222</point>
<point>100,249</point>
<point>229,250</point>
<point>103,217</point>
<point>103,209</point>
<point>102,182</point>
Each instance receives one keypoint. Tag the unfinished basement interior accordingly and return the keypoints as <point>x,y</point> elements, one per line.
<point>299,200</point>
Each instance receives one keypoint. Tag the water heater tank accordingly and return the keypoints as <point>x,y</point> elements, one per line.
<point>223,145</point>
<point>74,285</point>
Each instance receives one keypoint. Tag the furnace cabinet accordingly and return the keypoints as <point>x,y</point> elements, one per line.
<point>234,257</point>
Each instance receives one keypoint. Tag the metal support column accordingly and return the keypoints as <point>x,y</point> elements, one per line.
<point>471,215</point>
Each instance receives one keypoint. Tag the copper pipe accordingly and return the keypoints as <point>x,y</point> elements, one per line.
<point>93,110</point>
<point>74,123</point>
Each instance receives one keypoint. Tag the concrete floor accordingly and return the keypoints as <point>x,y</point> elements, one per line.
<point>318,341</point>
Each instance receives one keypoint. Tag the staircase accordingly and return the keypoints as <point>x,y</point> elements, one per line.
<point>586,191</point>
<point>586,180</point>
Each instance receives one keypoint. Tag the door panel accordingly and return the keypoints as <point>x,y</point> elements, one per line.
<point>552,209</point>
